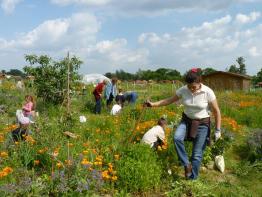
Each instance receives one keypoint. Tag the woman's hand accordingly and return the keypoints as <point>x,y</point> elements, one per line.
<point>147,103</point>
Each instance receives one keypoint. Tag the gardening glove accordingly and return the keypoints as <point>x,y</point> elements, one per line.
<point>217,134</point>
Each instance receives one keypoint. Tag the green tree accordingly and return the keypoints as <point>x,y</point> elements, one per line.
<point>208,70</point>
<point>233,69</point>
<point>15,72</point>
<point>257,78</point>
<point>51,76</point>
<point>242,66</point>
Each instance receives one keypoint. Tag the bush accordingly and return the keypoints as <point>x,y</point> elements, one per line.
<point>139,170</point>
<point>254,143</point>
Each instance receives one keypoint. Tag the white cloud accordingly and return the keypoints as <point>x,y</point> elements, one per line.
<point>9,5</point>
<point>254,52</point>
<point>81,2</point>
<point>151,7</point>
<point>77,30</point>
<point>242,18</point>
<point>213,43</point>
<point>217,43</point>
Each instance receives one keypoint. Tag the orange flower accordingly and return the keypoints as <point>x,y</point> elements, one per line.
<point>2,138</point>
<point>59,165</point>
<point>36,162</point>
<point>68,162</point>
<point>8,170</point>
<point>3,154</point>
<point>85,162</point>
<point>116,157</point>
<point>85,152</point>
<point>105,175</point>
<point>70,144</point>
<point>114,178</point>
<point>30,139</point>
<point>41,151</point>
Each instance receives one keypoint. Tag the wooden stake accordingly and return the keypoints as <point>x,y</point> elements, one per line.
<point>68,84</point>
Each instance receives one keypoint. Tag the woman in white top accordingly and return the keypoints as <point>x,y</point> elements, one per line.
<point>195,123</point>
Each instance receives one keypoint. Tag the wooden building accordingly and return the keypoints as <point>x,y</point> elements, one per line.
<point>220,80</point>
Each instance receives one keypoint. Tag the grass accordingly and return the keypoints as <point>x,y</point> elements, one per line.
<point>108,136</point>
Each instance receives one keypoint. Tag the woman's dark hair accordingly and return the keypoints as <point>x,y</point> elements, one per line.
<point>193,75</point>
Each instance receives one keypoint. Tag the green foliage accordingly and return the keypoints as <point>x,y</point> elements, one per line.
<point>254,143</point>
<point>138,170</point>
<point>222,144</point>
<point>257,78</point>
<point>242,67</point>
<point>16,72</point>
<point>207,71</point>
<point>51,76</point>
<point>159,74</point>
<point>190,188</point>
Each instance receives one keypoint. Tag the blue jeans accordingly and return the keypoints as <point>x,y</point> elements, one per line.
<point>98,106</point>
<point>199,144</point>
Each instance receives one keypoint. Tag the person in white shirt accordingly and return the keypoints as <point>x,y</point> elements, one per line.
<point>195,123</point>
<point>116,109</point>
<point>156,135</point>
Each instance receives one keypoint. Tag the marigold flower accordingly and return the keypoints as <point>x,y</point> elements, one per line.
<point>36,162</point>
<point>3,154</point>
<point>85,152</point>
<point>116,157</point>
<point>68,162</point>
<point>59,165</point>
<point>85,162</point>
<point>114,178</point>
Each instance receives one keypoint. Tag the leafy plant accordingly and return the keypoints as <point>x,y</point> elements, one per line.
<point>139,170</point>
<point>51,76</point>
<point>254,143</point>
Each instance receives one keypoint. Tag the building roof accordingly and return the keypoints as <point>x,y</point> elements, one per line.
<point>228,73</point>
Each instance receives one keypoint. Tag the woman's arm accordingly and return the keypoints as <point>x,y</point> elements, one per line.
<point>216,112</point>
<point>164,102</point>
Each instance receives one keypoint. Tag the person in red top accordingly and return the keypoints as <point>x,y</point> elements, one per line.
<point>98,93</point>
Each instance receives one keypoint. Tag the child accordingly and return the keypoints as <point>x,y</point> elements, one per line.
<point>29,107</point>
<point>155,136</point>
<point>117,107</point>
<point>22,130</point>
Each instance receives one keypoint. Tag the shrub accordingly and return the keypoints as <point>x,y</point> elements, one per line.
<point>51,76</point>
<point>254,143</point>
<point>138,169</point>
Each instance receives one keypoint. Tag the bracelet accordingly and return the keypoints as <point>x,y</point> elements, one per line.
<point>218,130</point>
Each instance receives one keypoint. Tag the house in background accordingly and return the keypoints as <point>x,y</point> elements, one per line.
<point>259,85</point>
<point>220,80</point>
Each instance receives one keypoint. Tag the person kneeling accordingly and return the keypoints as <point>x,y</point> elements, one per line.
<point>156,135</point>
<point>23,130</point>
<point>116,109</point>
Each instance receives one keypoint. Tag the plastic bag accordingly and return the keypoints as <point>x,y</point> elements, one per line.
<point>220,163</point>
<point>82,119</point>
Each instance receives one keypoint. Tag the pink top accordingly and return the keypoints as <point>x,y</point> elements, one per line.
<point>27,108</point>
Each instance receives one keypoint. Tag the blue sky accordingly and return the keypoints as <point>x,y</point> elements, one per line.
<point>109,35</point>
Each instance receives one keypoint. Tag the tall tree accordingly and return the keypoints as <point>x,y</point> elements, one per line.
<point>15,72</point>
<point>208,70</point>
<point>233,69</point>
<point>257,78</point>
<point>242,66</point>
